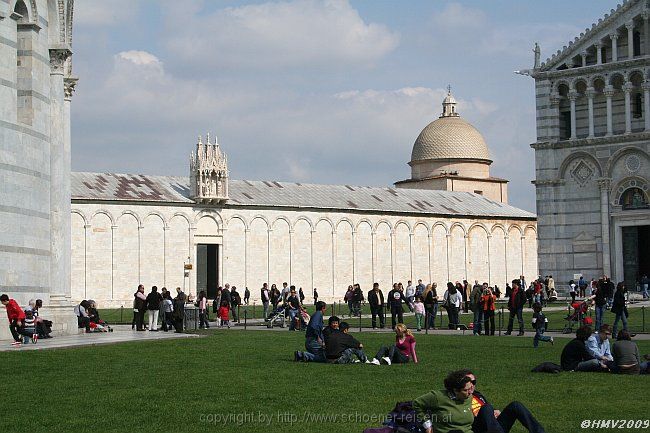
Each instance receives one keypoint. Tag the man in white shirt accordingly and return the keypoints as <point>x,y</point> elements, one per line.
<point>410,295</point>
<point>598,345</point>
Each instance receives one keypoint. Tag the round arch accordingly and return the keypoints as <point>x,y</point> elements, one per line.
<point>327,220</point>
<point>302,218</point>
<point>240,218</point>
<point>104,212</point>
<point>158,214</point>
<point>81,214</point>
<point>477,226</point>
<point>216,216</point>
<point>344,220</point>
<point>457,224</point>
<point>403,222</point>
<point>440,224</point>
<point>580,154</point>
<point>620,153</point>
<point>281,218</point>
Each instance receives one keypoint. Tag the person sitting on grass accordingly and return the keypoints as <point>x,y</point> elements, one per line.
<point>576,357</point>
<point>314,339</point>
<point>331,328</point>
<point>599,347</point>
<point>540,322</point>
<point>626,356</point>
<point>342,348</point>
<point>459,408</point>
<point>16,317</point>
<point>401,352</point>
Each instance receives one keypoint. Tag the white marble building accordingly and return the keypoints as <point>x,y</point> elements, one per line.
<point>36,86</point>
<point>592,150</point>
<point>131,229</point>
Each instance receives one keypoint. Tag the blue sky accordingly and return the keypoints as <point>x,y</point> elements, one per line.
<point>311,91</point>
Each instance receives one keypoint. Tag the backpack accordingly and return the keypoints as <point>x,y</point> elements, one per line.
<point>403,418</point>
<point>547,367</point>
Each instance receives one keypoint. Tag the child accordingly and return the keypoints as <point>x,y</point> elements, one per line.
<point>224,314</point>
<point>418,307</point>
<point>540,322</point>
<point>30,327</point>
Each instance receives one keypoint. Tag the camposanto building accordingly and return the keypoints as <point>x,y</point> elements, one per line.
<point>449,222</point>
<point>592,152</point>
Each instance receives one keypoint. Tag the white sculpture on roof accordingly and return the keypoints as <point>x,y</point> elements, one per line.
<point>208,173</point>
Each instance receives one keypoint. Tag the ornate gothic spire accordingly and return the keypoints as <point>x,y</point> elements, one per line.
<point>208,172</point>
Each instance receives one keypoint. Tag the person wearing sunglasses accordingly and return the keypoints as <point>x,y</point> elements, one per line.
<point>459,408</point>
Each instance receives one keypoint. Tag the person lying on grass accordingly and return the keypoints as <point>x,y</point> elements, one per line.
<point>401,352</point>
<point>454,409</point>
<point>342,348</point>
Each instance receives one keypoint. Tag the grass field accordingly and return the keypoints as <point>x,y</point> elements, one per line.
<point>245,381</point>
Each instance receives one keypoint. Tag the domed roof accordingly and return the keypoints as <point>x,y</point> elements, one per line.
<point>449,137</point>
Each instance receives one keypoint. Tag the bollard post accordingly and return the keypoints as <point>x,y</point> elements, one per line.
<point>245,318</point>
<point>440,327</point>
<point>500,320</point>
<point>253,310</point>
<point>643,318</point>
<point>359,321</point>
<point>426,322</point>
<point>121,314</point>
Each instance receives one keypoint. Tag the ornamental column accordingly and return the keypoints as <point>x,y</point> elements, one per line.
<point>627,88</point>
<point>604,185</point>
<point>609,92</point>
<point>630,39</point>
<point>646,29</point>
<point>599,52</point>
<point>646,104</point>
<point>584,58</point>
<point>590,102</point>
<point>60,244</point>
<point>572,100</point>
<point>614,38</point>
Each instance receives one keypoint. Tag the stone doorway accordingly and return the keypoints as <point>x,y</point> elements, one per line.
<point>207,269</point>
<point>636,255</point>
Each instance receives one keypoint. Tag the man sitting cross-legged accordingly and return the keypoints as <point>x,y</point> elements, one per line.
<point>342,348</point>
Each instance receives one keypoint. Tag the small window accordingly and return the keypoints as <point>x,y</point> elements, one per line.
<point>476,191</point>
<point>638,106</point>
<point>21,9</point>
<point>636,38</point>
<point>634,198</point>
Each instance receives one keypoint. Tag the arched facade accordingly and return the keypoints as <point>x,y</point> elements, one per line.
<point>117,247</point>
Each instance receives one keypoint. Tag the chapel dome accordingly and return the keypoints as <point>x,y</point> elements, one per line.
<point>449,137</point>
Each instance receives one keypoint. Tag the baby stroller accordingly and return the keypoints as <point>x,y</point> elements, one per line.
<point>276,317</point>
<point>577,317</point>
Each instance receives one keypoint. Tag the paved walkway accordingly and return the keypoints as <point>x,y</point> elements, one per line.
<point>121,334</point>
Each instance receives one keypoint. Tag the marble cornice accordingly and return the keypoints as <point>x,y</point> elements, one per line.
<point>593,141</point>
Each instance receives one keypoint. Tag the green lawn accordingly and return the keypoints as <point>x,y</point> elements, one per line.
<point>184,385</point>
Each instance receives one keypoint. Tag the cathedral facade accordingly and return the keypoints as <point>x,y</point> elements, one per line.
<point>592,152</point>
<point>449,222</point>
<point>36,86</point>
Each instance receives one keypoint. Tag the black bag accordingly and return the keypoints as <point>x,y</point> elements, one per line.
<point>547,367</point>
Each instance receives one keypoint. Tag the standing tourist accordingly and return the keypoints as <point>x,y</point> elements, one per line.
<point>600,301</point>
<point>452,300</point>
<point>349,299</point>
<point>179,309</point>
<point>301,296</point>
<point>275,297</point>
<point>265,296</point>
<point>619,308</point>
<point>16,317</point>
<point>395,300</point>
<point>203,310</point>
<point>645,282</point>
<point>235,302</point>
<point>247,295</point>
<point>141,306</point>
<point>418,308</point>
<point>488,301</point>
<point>315,296</point>
<point>376,301</point>
<point>410,295</point>
<point>431,304</point>
<point>153,308</point>
<point>475,306</point>
<point>293,303</point>
<point>419,289</point>
<point>358,299</point>
<point>168,311</point>
<point>516,307</point>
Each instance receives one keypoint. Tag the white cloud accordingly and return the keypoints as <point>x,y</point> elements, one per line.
<point>299,33</point>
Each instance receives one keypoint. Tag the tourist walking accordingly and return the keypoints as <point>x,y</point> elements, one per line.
<point>476,307</point>
<point>349,299</point>
<point>235,302</point>
<point>315,296</point>
<point>153,308</point>
<point>168,311</point>
<point>600,301</point>
<point>247,295</point>
<point>540,323</point>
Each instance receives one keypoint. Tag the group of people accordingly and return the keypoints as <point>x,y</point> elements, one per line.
<point>334,344</point>
<point>26,324</point>
<point>591,351</point>
<point>88,317</point>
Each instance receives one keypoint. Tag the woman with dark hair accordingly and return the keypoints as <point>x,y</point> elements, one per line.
<point>203,310</point>
<point>431,304</point>
<point>452,301</point>
<point>275,296</point>
<point>626,355</point>
<point>488,301</point>
<point>619,308</point>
